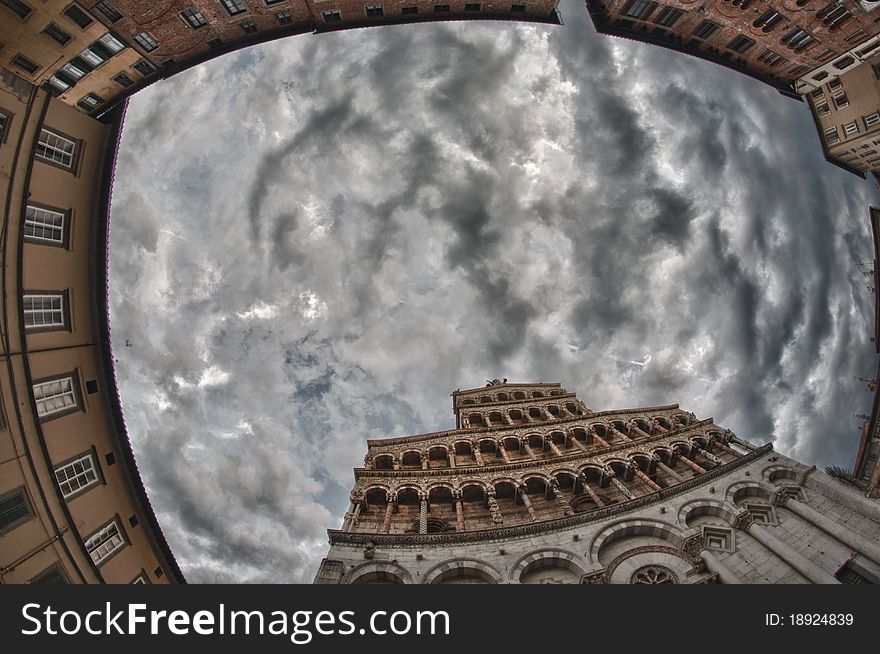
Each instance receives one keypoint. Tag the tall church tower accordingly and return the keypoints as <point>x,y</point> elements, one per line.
<point>534,487</point>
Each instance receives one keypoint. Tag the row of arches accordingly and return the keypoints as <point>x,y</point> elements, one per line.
<point>510,448</point>
<point>512,396</point>
<point>630,550</point>
<point>523,416</point>
<point>474,504</point>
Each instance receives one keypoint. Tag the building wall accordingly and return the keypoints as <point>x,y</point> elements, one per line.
<point>36,443</point>
<point>159,40</point>
<point>552,492</point>
<point>846,110</point>
<point>679,534</point>
<point>777,53</point>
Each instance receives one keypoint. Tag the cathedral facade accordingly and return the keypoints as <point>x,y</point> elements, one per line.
<point>534,487</point>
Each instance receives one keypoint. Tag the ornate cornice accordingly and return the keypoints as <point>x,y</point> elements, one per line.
<point>558,524</point>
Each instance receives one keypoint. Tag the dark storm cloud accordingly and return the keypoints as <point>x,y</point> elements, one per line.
<point>377,217</point>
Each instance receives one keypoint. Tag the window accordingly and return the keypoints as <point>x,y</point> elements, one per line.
<point>441,9</point>
<point>771,58</point>
<point>872,119</point>
<point>25,64</point>
<point>331,16</point>
<point>78,15</point>
<point>822,108</point>
<point>248,27</point>
<point>407,11</point>
<point>214,43</point>
<point>848,575</point>
<point>234,7</point>
<point>144,67</point>
<point>91,58</point>
<point>518,9</point>
<point>44,311</point>
<point>798,39</point>
<point>56,33</point>
<point>831,136</point>
<point>194,17</point>
<point>142,578</point>
<point>834,15</point>
<point>269,3</point>
<point>374,10</point>
<point>58,83</point>
<point>90,102</point>
<point>740,44</point>
<point>705,29</point>
<point>668,16</point>
<point>146,41</point>
<point>45,226</point>
<point>109,11</point>
<point>5,119</point>
<point>108,45</point>
<point>640,9</point>
<point>284,18</point>
<point>55,148</point>
<point>105,542</point>
<point>17,7</point>
<point>846,62</point>
<point>472,6</point>
<point>77,475</point>
<point>14,510</point>
<point>820,76</point>
<point>851,128</point>
<point>840,100</point>
<point>768,20</point>
<point>51,575</point>
<point>123,80</point>
<point>74,71</point>
<point>56,397</point>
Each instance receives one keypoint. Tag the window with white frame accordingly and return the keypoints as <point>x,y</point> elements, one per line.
<point>831,136</point>
<point>234,7</point>
<point>872,119</point>
<point>44,311</point>
<point>851,128</point>
<point>78,475</point>
<point>822,108</point>
<point>105,542</point>
<point>640,9</point>
<point>57,149</point>
<point>55,396</point>
<point>42,225</point>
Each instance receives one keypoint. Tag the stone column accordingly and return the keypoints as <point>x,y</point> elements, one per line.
<point>395,463</point>
<point>493,508</point>
<point>861,544</point>
<point>389,509</point>
<point>424,460</point>
<point>725,448</point>
<point>714,459</point>
<point>349,515</point>
<point>459,512</point>
<point>634,427</point>
<point>745,444</point>
<point>423,514</point>
<point>560,499</point>
<point>597,438</point>
<point>690,464</point>
<point>786,553</point>
<point>669,471</point>
<point>645,478</point>
<point>355,515</point>
<point>478,456</point>
<point>451,455</point>
<point>554,447</point>
<point>616,431</point>
<point>578,444</point>
<point>589,491</point>
<point>503,451</point>
<point>528,503</point>
<point>612,477</point>
<point>659,427</point>
<point>714,564</point>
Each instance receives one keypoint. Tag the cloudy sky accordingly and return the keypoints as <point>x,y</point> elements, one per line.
<point>316,240</point>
